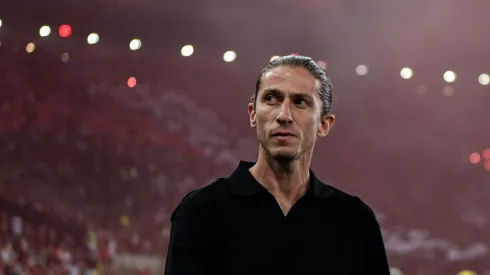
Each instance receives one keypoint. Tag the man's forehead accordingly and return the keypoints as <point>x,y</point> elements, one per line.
<point>298,78</point>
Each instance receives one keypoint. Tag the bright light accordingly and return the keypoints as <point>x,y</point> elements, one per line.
<point>486,153</point>
<point>135,44</point>
<point>486,165</point>
<point>44,31</point>
<point>274,58</point>
<point>229,56</point>
<point>65,31</point>
<point>65,57</point>
<point>187,50</point>
<point>406,73</point>
<point>0,22</point>
<point>467,272</point>
<point>131,82</point>
<point>475,158</point>
<point>92,38</point>
<point>362,69</point>
<point>448,90</point>
<point>30,47</point>
<point>450,76</point>
<point>484,79</point>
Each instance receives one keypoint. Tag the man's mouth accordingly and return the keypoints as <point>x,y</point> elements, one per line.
<point>283,135</point>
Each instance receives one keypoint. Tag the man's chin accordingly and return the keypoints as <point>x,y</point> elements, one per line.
<point>282,156</point>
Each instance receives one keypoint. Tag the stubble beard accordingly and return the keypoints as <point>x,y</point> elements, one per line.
<point>282,157</point>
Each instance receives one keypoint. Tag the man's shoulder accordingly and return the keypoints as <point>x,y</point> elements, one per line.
<point>204,198</point>
<point>349,202</point>
<point>210,191</point>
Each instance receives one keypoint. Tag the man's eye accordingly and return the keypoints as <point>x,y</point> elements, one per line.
<point>302,103</point>
<point>270,99</point>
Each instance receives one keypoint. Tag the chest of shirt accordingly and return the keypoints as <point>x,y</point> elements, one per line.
<point>313,238</point>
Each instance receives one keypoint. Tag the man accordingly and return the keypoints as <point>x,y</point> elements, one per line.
<point>275,216</point>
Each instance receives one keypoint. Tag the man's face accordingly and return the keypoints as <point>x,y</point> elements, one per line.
<point>287,114</point>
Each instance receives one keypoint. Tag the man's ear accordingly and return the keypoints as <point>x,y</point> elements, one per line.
<point>252,113</point>
<point>326,124</point>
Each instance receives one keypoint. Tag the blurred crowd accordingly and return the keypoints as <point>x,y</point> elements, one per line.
<point>84,176</point>
<point>34,248</point>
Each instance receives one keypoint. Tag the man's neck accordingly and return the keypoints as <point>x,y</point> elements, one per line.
<point>284,181</point>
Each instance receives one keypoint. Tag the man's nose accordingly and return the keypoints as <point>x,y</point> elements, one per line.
<point>284,115</point>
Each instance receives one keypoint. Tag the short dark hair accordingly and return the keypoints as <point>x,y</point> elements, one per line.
<point>312,67</point>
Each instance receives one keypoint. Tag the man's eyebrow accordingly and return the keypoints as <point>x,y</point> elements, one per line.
<point>272,91</point>
<point>275,91</point>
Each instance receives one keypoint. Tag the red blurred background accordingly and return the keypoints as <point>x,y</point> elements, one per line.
<point>111,111</point>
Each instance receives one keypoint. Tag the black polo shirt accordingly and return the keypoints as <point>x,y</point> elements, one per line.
<point>235,226</point>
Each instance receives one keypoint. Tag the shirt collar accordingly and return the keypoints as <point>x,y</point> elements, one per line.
<point>244,184</point>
